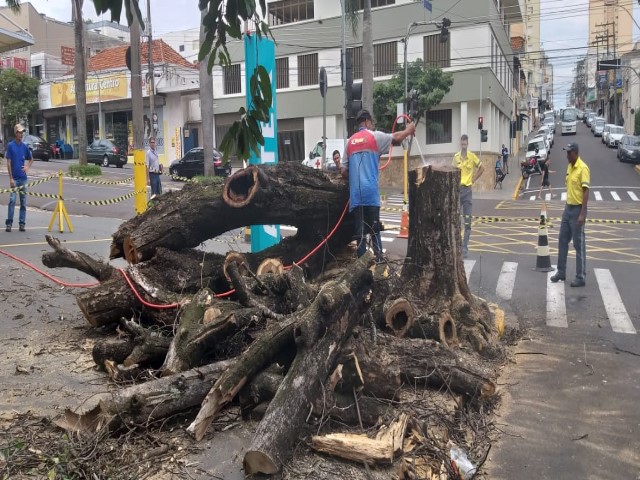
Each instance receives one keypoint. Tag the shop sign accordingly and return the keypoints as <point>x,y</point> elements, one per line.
<point>109,87</point>
<point>67,56</point>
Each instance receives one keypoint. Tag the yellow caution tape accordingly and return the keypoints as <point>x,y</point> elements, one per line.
<point>100,182</point>
<point>30,184</point>
<point>108,201</point>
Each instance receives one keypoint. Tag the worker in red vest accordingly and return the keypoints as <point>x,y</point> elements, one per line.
<point>361,167</point>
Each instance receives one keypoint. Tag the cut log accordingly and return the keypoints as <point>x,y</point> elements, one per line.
<point>64,258</point>
<point>141,404</point>
<point>112,349</point>
<point>387,445</point>
<point>389,362</point>
<point>271,266</point>
<point>150,345</point>
<point>319,335</point>
<point>287,194</point>
<point>441,328</point>
<point>261,389</point>
<point>399,316</point>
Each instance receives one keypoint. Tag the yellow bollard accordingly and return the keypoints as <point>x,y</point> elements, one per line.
<point>60,211</point>
<point>140,180</point>
<point>405,177</point>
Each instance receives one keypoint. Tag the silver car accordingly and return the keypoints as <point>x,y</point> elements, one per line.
<point>598,127</point>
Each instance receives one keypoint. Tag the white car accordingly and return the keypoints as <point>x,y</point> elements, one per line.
<point>551,123</point>
<point>615,135</point>
<point>605,133</point>
<point>541,143</point>
<point>548,133</point>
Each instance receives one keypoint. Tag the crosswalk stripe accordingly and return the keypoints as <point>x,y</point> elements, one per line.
<point>563,197</point>
<point>617,313</point>
<point>598,195</point>
<point>556,308</point>
<point>532,198</point>
<point>547,197</point>
<point>506,280</point>
<point>615,196</point>
<point>387,239</point>
<point>633,196</point>
<point>468,266</point>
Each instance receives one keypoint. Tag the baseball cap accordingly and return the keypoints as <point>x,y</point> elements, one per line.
<point>363,115</point>
<point>572,147</point>
<point>19,128</point>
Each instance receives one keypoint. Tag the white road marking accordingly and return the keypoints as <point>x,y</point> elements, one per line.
<point>556,308</point>
<point>387,239</point>
<point>615,196</point>
<point>617,313</point>
<point>547,197</point>
<point>633,196</point>
<point>598,196</point>
<point>563,197</point>
<point>468,266</point>
<point>532,198</point>
<point>506,280</point>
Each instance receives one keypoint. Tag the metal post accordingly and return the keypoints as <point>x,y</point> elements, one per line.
<point>344,72</point>
<point>481,116</point>
<point>139,168</point>
<point>152,108</point>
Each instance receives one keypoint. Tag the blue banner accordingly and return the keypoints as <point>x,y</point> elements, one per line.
<point>263,52</point>
<point>427,5</point>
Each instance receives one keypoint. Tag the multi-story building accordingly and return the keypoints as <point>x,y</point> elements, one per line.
<point>630,104</point>
<point>611,36</point>
<point>308,36</point>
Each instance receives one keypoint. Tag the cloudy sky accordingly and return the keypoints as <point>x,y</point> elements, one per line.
<point>564,28</point>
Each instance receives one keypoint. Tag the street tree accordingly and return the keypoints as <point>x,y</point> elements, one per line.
<point>431,84</point>
<point>206,103</point>
<point>18,94</point>
<point>79,79</point>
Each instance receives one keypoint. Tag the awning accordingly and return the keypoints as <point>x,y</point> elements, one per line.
<point>11,40</point>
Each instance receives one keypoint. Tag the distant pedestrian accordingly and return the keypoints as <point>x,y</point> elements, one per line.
<point>154,168</point>
<point>470,170</point>
<point>545,179</point>
<point>574,217</point>
<point>17,153</point>
<point>505,159</point>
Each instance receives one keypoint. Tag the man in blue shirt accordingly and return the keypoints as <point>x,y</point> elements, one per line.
<point>361,167</point>
<point>17,153</point>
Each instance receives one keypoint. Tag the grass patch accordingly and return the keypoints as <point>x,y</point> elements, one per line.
<point>215,180</point>
<point>90,170</point>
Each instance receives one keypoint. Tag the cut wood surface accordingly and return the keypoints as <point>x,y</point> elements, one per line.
<point>285,194</point>
<point>319,335</point>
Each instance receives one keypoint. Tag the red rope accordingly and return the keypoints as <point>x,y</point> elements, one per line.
<point>393,129</point>
<point>142,300</point>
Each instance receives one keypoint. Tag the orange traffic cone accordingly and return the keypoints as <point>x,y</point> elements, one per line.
<point>404,225</point>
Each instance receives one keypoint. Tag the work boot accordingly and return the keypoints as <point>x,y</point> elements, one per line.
<point>21,227</point>
<point>8,229</point>
<point>578,283</point>
<point>557,277</point>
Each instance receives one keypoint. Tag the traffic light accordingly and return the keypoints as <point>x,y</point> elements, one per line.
<point>484,136</point>
<point>444,32</point>
<point>353,90</point>
<point>480,121</point>
<point>413,103</point>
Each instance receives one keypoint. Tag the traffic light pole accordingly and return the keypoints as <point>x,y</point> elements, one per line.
<point>481,115</point>
<point>344,73</point>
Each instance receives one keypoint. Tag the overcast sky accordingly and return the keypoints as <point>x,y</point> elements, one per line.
<point>564,28</point>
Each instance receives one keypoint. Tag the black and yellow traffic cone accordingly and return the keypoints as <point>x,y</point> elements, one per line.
<point>543,257</point>
<point>247,234</point>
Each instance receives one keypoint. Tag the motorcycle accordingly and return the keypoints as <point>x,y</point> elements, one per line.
<point>531,166</point>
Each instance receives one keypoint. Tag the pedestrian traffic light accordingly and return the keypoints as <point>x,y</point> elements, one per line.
<point>484,136</point>
<point>353,91</point>
<point>480,121</point>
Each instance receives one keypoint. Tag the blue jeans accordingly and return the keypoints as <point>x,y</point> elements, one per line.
<point>466,204</point>
<point>367,222</point>
<point>23,203</point>
<point>156,184</point>
<point>571,231</point>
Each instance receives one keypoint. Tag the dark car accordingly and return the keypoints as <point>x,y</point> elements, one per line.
<point>192,164</point>
<point>105,153</point>
<point>629,149</point>
<point>39,148</point>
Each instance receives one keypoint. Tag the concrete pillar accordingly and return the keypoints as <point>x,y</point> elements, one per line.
<point>464,120</point>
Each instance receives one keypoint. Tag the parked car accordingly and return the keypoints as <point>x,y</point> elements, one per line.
<point>546,131</point>
<point>615,135</point>
<point>589,119</point>
<point>550,122</point>
<point>541,144</point>
<point>629,149</point>
<point>598,126</point>
<point>605,133</point>
<point>105,152</point>
<point>39,148</point>
<point>192,164</point>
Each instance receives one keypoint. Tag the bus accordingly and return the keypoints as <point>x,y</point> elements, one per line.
<point>569,121</point>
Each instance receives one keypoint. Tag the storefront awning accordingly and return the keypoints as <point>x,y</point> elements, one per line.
<point>12,40</point>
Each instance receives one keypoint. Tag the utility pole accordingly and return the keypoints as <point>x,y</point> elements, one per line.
<point>151,81</point>
<point>139,168</point>
<point>344,71</point>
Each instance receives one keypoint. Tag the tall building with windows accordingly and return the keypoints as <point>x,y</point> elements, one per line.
<point>308,36</point>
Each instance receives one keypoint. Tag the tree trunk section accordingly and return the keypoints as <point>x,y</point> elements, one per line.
<point>286,194</point>
<point>324,327</point>
<point>64,258</point>
<point>80,77</point>
<point>206,103</point>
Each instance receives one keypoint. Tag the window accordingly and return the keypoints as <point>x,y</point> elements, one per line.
<point>232,79</point>
<point>376,3</point>
<point>385,59</point>
<point>437,54</point>
<point>36,71</point>
<point>356,61</point>
<point>195,45</point>
<point>289,11</point>
<point>308,69</point>
<point>181,48</point>
<point>438,126</point>
<point>282,72</point>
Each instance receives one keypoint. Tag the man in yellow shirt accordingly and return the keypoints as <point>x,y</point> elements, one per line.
<point>574,216</point>
<point>470,170</point>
